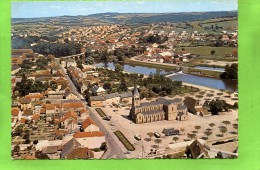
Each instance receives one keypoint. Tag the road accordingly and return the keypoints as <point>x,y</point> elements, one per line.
<point>73,88</point>
<point>115,149</point>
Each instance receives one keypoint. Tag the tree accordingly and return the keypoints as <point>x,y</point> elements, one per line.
<point>208,133</point>
<point>235,106</point>
<point>231,72</point>
<point>53,85</point>
<point>182,130</point>
<point>122,86</point>
<point>235,126</point>
<point>175,138</point>
<point>191,135</point>
<point>89,60</point>
<point>150,134</point>
<point>212,52</point>
<point>212,125</point>
<point>226,122</point>
<point>197,128</point>
<point>223,130</point>
<point>216,106</point>
<point>40,155</point>
<point>119,68</point>
<point>107,86</point>
<point>16,148</point>
<point>157,141</point>
<point>103,146</point>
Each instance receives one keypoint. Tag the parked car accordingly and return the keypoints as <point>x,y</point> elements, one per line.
<point>107,118</point>
<point>157,135</point>
<point>138,137</point>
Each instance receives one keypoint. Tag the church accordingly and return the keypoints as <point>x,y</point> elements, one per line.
<point>161,109</point>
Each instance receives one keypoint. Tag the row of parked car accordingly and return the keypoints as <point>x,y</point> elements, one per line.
<point>166,132</point>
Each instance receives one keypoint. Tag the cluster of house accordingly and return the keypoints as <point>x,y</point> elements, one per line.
<point>98,37</point>
<point>81,78</point>
<point>155,54</point>
<point>72,134</point>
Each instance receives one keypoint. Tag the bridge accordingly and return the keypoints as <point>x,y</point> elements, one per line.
<point>72,56</point>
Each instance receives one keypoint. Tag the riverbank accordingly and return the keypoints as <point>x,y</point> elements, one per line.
<point>149,64</point>
<point>166,66</point>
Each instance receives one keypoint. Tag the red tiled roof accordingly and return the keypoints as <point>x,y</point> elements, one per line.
<point>72,105</point>
<point>88,122</point>
<point>50,106</point>
<point>71,114</point>
<point>80,153</point>
<point>88,134</point>
<point>36,117</point>
<point>15,111</point>
<point>83,111</point>
<point>23,120</point>
<point>31,96</point>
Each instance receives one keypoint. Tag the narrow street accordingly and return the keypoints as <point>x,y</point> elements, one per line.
<point>115,149</point>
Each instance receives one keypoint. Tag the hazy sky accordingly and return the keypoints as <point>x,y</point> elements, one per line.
<point>47,9</point>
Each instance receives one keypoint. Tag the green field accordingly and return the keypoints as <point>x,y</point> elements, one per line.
<point>125,141</point>
<point>204,51</point>
<point>100,112</point>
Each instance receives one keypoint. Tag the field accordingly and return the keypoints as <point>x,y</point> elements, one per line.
<point>204,51</point>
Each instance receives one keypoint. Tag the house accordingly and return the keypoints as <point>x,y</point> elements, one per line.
<point>50,109</point>
<point>70,96</point>
<point>34,96</point>
<point>25,103</point>
<point>72,106</point>
<point>27,114</point>
<point>83,114</point>
<point>73,150</point>
<point>98,90</point>
<point>69,122</point>
<point>196,150</point>
<point>15,112</point>
<point>35,118</point>
<point>113,98</point>
<point>202,112</point>
<point>126,97</point>
<point>71,62</point>
<point>96,101</point>
<point>90,139</point>
<point>190,103</point>
<point>80,153</point>
<point>89,126</point>
<point>225,37</point>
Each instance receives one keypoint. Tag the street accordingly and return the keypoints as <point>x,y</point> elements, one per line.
<point>115,147</point>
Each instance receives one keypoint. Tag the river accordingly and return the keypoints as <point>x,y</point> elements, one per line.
<point>230,85</point>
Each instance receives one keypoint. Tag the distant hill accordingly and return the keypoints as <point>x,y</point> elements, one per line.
<point>134,18</point>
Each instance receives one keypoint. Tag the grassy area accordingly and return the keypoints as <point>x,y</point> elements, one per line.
<point>151,65</point>
<point>125,141</point>
<point>100,112</point>
<point>204,51</point>
<point>206,73</point>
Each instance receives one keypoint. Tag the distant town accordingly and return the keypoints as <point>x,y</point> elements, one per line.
<point>125,86</point>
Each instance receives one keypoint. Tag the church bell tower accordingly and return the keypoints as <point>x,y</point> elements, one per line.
<point>135,98</point>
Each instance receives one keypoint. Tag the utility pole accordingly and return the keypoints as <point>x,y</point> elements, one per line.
<point>143,152</point>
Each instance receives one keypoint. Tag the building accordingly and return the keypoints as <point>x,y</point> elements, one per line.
<point>158,110</point>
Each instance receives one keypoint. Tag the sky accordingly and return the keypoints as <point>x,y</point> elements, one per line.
<point>49,9</point>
